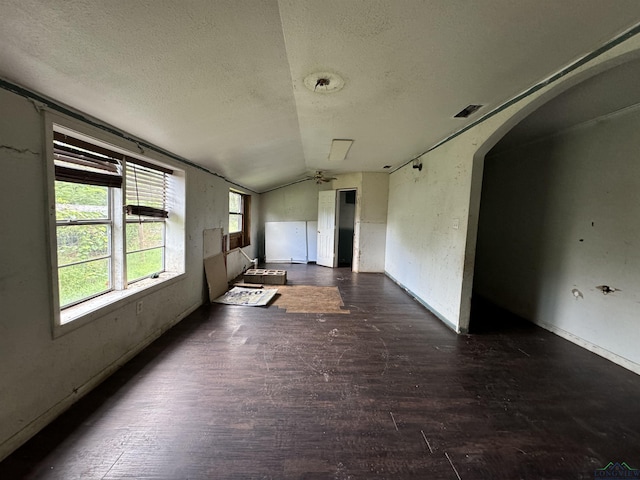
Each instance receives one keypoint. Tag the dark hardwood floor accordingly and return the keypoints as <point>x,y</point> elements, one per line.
<point>387,391</point>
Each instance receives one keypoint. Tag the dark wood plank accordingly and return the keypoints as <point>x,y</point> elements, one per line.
<point>387,391</point>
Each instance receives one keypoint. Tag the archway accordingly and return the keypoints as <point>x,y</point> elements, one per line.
<point>493,130</point>
<point>557,215</point>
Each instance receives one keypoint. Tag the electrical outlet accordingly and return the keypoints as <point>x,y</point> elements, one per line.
<point>139,307</point>
<point>456,223</point>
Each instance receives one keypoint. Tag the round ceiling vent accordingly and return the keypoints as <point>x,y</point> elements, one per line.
<point>324,82</point>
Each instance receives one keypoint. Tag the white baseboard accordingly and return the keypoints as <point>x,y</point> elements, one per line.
<point>22,436</point>
<point>441,317</point>
<point>604,353</point>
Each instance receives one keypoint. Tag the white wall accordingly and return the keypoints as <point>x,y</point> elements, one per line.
<point>293,203</point>
<point>300,202</point>
<point>425,254</point>
<point>371,223</point>
<point>41,376</point>
<point>560,217</point>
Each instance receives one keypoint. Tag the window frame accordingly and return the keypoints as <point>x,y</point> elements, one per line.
<point>108,222</point>
<point>243,237</point>
<point>123,294</point>
<point>155,215</point>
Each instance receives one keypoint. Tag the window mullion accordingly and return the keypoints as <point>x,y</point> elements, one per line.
<point>118,257</point>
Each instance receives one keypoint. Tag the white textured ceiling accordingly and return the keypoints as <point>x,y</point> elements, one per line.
<point>220,82</point>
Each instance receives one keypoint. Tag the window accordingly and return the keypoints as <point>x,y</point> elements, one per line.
<point>83,231</point>
<point>239,214</point>
<point>146,212</point>
<point>85,180</point>
<point>113,223</point>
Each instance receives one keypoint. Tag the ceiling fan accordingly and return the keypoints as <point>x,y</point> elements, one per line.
<point>320,178</point>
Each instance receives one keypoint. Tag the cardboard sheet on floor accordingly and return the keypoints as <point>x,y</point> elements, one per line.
<point>309,299</point>
<point>247,297</point>
<point>216,273</point>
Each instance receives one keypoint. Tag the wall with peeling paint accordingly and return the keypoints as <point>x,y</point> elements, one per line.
<point>559,219</point>
<point>41,376</point>
<point>426,231</point>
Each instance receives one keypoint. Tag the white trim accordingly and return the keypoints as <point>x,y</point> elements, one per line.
<point>440,317</point>
<point>86,312</point>
<point>581,342</point>
<point>69,319</point>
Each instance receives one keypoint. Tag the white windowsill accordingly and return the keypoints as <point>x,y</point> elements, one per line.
<point>90,310</point>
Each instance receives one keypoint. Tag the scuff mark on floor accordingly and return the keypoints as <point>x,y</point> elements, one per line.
<point>385,355</point>
<point>394,420</point>
<point>426,441</point>
<point>452,466</point>
<point>342,355</point>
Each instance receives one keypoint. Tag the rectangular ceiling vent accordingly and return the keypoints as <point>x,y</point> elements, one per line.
<point>468,110</point>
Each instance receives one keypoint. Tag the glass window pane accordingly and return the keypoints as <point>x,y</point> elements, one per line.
<point>235,202</point>
<point>145,263</point>
<point>77,201</point>
<point>84,280</point>
<point>79,243</point>
<point>235,223</point>
<point>144,235</point>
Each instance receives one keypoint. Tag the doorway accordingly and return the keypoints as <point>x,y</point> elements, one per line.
<point>336,227</point>
<point>346,216</point>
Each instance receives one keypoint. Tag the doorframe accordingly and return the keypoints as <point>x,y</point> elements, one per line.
<point>337,220</point>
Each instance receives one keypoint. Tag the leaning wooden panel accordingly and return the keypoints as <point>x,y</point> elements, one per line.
<point>216,273</point>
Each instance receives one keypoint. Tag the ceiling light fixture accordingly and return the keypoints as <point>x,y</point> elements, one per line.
<point>339,150</point>
<point>324,82</point>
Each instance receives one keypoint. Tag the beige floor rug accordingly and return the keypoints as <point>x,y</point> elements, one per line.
<point>308,299</point>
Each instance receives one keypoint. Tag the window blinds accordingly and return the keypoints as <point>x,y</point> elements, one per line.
<point>146,192</point>
<point>78,161</point>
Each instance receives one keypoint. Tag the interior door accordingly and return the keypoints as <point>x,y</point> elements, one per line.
<point>327,228</point>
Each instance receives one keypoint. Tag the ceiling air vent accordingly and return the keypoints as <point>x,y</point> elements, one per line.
<point>468,110</point>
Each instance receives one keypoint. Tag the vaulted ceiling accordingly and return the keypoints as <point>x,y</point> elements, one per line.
<point>221,82</point>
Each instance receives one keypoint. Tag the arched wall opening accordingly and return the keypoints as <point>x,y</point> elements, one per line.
<point>432,214</point>
<point>557,214</point>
